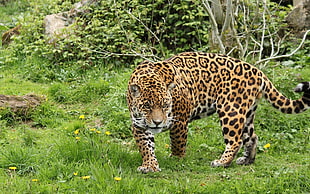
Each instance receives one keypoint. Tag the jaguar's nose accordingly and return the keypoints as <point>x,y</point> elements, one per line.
<point>157,122</point>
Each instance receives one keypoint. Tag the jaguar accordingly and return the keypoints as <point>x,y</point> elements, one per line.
<point>169,94</point>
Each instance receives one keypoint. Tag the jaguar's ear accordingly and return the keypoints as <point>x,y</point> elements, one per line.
<point>171,86</point>
<point>134,90</point>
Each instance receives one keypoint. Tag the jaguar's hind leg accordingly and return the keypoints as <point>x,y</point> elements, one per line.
<point>249,139</point>
<point>232,126</point>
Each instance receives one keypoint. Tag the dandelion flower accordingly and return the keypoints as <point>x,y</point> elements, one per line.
<point>34,180</point>
<point>98,132</point>
<point>108,133</point>
<point>117,178</point>
<point>166,146</point>
<point>85,177</point>
<point>82,117</point>
<point>76,132</point>
<point>75,173</point>
<point>267,146</point>
<point>92,129</point>
<point>77,138</point>
<point>12,168</point>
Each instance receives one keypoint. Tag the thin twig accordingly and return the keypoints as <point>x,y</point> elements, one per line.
<point>287,55</point>
<point>263,32</point>
<point>147,28</point>
<point>107,54</point>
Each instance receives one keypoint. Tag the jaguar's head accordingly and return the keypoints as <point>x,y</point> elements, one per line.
<point>150,104</point>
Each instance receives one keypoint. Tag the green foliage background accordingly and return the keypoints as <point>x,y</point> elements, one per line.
<point>112,34</point>
<point>122,27</point>
<point>53,147</point>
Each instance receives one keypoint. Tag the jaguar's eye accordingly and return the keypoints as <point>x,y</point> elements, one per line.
<point>137,115</point>
<point>165,105</point>
<point>147,105</point>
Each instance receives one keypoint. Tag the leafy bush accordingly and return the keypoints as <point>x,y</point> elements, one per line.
<point>122,29</point>
<point>134,27</point>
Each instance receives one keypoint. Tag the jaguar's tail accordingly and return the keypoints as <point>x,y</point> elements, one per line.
<point>284,104</point>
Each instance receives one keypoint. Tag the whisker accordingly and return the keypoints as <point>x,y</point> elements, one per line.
<point>172,119</point>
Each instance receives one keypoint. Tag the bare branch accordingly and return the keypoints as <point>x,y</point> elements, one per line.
<point>263,33</point>
<point>287,55</point>
<point>107,54</point>
<point>147,28</point>
<point>228,17</point>
<point>214,23</point>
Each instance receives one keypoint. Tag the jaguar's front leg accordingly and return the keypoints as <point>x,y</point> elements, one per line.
<point>145,142</point>
<point>178,137</point>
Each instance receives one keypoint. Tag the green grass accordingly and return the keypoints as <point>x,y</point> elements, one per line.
<point>47,154</point>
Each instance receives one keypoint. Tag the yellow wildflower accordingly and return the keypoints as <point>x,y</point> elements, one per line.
<point>117,178</point>
<point>75,173</point>
<point>12,168</point>
<point>77,138</point>
<point>76,132</point>
<point>108,133</point>
<point>98,132</point>
<point>34,180</point>
<point>85,177</point>
<point>92,129</point>
<point>167,146</point>
<point>267,146</point>
<point>82,117</point>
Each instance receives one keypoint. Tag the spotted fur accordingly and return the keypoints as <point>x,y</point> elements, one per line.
<point>167,95</point>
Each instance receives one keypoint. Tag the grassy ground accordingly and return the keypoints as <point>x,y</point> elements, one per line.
<point>81,143</point>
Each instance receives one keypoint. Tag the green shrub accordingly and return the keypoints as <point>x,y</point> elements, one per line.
<point>149,28</point>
